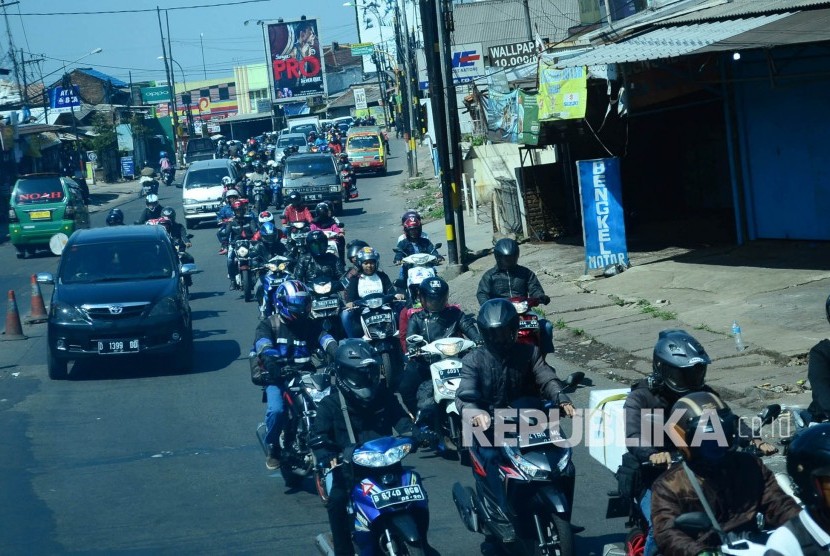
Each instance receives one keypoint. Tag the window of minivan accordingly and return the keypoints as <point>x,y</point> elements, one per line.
<point>364,142</point>
<point>202,144</point>
<point>206,177</point>
<point>313,170</point>
<point>305,129</point>
<point>286,142</point>
<point>38,190</point>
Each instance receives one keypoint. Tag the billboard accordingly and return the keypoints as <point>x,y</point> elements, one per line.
<point>563,93</point>
<point>297,66</point>
<point>155,95</point>
<point>467,63</point>
<point>514,54</point>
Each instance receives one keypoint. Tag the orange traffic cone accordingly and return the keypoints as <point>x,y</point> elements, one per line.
<point>14,330</point>
<point>38,312</point>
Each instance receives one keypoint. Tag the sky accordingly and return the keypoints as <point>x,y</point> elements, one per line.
<point>131,41</point>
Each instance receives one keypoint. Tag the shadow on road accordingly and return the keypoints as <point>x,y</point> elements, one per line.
<point>205,314</point>
<point>204,295</point>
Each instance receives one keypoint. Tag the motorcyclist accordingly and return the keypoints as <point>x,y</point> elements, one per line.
<point>325,222</point>
<point>679,365</point>
<point>737,485</point>
<point>152,209</point>
<point>318,262</point>
<point>415,214</point>
<point>352,249</point>
<point>368,281</point>
<point>493,377</point>
<point>166,168</point>
<point>808,464</point>
<point>434,321</point>
<point>373,412</point>
<point>243,226</point>
<point>295,210</point>
<point>115,217</point>
<point>344,164</point>
<point>283,346</point>
<point>414,242</point>
<point>223,218</point>
<point>268,242</point>
<point>177,231</point>
<point>818,372</point>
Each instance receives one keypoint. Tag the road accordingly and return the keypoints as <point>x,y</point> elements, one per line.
<point>130,457</point>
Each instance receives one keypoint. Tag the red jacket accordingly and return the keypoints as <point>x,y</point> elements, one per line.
<point>292,214</point>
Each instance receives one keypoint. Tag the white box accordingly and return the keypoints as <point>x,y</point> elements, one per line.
<point>605,434</point>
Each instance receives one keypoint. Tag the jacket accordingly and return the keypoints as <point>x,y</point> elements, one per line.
<point>225,213</point>
<point>450,321</point>
<point>311,267</point>
<point>383,417</point>
<point>519,282</point>
<point>353,287</point>
<point>818,371</point>
<point>737,489</point>
<point>293,214</point>
<point>329,224</point>
<point>241,228</point>
<point>291,344</point>
<point>408,247</point>
<point>488,382</point>
<point>148,214</point>
<point>800,536</point>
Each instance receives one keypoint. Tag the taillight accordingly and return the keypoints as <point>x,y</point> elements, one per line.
<point>69,212</point>
<point>12,215</point>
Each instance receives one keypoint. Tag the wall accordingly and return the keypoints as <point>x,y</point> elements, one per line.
<point>489,162</point>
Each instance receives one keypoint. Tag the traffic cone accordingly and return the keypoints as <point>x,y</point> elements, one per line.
<point>38,312</point>
<point>14,330</point>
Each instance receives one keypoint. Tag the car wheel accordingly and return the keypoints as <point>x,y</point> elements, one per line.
<point>58,368</point>
<point>21,252</point>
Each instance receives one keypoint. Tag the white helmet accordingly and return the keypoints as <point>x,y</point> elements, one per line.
<point>418,274</point>
<point>152,198</point>
<point>227,180</point>
<point>232,193</point>
<point>265,216</point>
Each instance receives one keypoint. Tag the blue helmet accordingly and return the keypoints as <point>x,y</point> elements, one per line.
<point>292,300</point>
<point>163,154</point>
<point>268,232</point>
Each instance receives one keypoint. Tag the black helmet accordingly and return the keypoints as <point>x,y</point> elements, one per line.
<point>506,252</point>
<point>317,243</point>
<point>827,308</point>
<point>294,198</point>
<point>357,370</point>
<point>707,426</point>
<point>498,323</point>
<point>353,247</point>
<point>808,460</point>
<point>323,210</point>
<point>433,293</point>
<point>169,212</point>
<point>679,362</point>
<point>115,217</point>
<point>408,214</point>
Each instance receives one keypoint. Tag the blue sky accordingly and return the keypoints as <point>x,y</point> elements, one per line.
<point>131,41</point>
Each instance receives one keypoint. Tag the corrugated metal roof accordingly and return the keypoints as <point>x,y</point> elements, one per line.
<point>803,27</point>
<point>669,42</point>
<point>103,77</point>
<point>743,8</point>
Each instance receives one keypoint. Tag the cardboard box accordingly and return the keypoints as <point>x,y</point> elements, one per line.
<point>605,433</point>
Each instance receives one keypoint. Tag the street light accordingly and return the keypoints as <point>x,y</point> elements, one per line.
<point>173,91</point>
<point>67,83</point>
<point>268,74</point>
<point>376,60</point>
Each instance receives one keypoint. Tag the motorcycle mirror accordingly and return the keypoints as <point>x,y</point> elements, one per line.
<point>189,236</point>
<point>769,414</point>
<point>693,523</point>
<point>574,379</point>
<point>400,283</point>
<point>439,245</point>
<point>414,339</point>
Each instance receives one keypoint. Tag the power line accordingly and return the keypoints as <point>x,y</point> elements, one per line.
<point>145,10</point>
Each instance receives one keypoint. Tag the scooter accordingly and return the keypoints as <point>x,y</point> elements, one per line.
<point>417,268</point>
<point>260,196</point>
<point>349,188</point>
<point>167,176</point>
<point>242,255</point>
<point>336,244</point>
<point>295,238</point>
<point>533,329</point>
<point>148,186</point>
<point>273,273</point>
<point>445,372</point>
<point>388,502</point>
<point>694,523</point>
<point>326,304</point>
<point>377,320</point>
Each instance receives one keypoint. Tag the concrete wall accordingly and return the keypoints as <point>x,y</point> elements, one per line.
<point>489,162</point>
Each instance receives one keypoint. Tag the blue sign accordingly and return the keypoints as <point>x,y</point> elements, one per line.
<point>64,98</point>
<point>603,222</point>
<point>127,166</point>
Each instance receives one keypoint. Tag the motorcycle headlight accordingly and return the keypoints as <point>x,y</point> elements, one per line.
<point>525,466</point>
<point>374,303</point>
<point>165,307</point>
<point>334,188</point>
<point>69,314</point>
<point>449,348</point>
<point>521,306</point>
<point>382,459</point>
<point>322,288</point>
<point>242,252</point>
<point>271,267</point>
<point>317,395</point>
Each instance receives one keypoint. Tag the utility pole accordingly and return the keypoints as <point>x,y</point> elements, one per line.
<point>202,45</point>
<point>173,104</point>
<point>408,98</point>
<point>527,20</point>
<point>12,50</point>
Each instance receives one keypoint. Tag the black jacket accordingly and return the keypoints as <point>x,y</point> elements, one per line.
<point>385,416</point>
<point>521,281</point>
<point>311,267</point>
<point>450,321</point>
<point>408,247</point>
<point>490,383</point>
<point>818,371</point>
<point>148,214</point>
<point>294,342</point>
<point>352,291</point>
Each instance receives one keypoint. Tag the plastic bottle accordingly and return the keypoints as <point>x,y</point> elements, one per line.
<point>736,332</point>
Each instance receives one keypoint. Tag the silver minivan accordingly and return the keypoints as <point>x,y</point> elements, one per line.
<point>202,190</point>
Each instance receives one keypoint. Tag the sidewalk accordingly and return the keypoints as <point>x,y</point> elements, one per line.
<point>775,290</point>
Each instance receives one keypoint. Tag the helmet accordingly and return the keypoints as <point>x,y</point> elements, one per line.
<point>679,362</point>
<point>410,214</point>
<point>292,301</point>
<point>323,210</point>
<point>415,276</point>
<point>498,323</point>
<point>170,213</point>
<point>707,426</point>
<point>265,216</point>
<point>317,243</point>
<point>240,204</point>
<point>808,463</point>
<point>353,247</point>
<point>367,254</point>
<point>231,193</point>
<point>164,222</point>
<point>343,156</point>
<point>227,181</point>
<point>412,227</point>
<point>152,199</point>
<point>295,199</point>
<point>506,252</point>
<point>115,217</point>
<point>268,232</point>
<point>163,154</point>
<point>357,370</point>
<point>434,293</point>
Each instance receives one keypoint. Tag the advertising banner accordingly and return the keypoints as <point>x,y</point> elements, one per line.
<point>528,124</point>
<point>297,66</point>
<point>155,95</point>
<point>467,63</point>
<point>513,54</point>
<point>60,97</point>
<point>363,49</point>
<point>563,93</point>
<point>360,99</point>
<point>603,222</point>
<point>127,166</point>
<point>501,112</point>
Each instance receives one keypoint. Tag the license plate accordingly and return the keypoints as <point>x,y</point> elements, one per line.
<point>378,319</point>
<point>210,208</point>
<point>324,303</point>
<point>400,495</point>
<point>117,346</point>
<point>314,197</point>
<point>529,324</point>
<point>538,438</point>
<point>40,215</point>
<point>447,374</point>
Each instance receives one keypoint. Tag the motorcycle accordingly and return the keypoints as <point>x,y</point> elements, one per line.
<point>148,186</point>
<point>167,176</point>
<point>349,188</point>
<point>533,329</point>
<point>388,502</point>
<point>259,195</point>
<point>326,304</point>
<point>336,244</point>
<point>242,254</point>
<point>694,523</point>
<point>295,239</point>
<point>273,273</point>
<point>417,268</point>
<point>377,319</point>
<point>444,356</point>
<point>536,479</point>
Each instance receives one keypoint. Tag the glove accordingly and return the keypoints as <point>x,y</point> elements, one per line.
<point>545,299</point>
<point>272,365</point>
<point>425,437</point>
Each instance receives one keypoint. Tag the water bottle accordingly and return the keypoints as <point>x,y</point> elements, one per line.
<point>736,332</point>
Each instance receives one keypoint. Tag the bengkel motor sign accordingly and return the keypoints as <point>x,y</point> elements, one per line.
<point>467,63</point>
<point>296,59</point>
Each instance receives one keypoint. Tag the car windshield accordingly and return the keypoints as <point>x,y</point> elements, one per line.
<point>115,261</point>
<point>291,142</point>
<point>207,177</point>
<point>38,190</point>
<point>364,142</point>
<point>310,167</point>
<point>199,145</point>
<point>304,128</point>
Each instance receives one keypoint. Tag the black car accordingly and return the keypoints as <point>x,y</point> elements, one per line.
<point>118,291</point>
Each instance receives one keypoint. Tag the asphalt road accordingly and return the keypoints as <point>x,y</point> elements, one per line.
<point>130,457</point>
